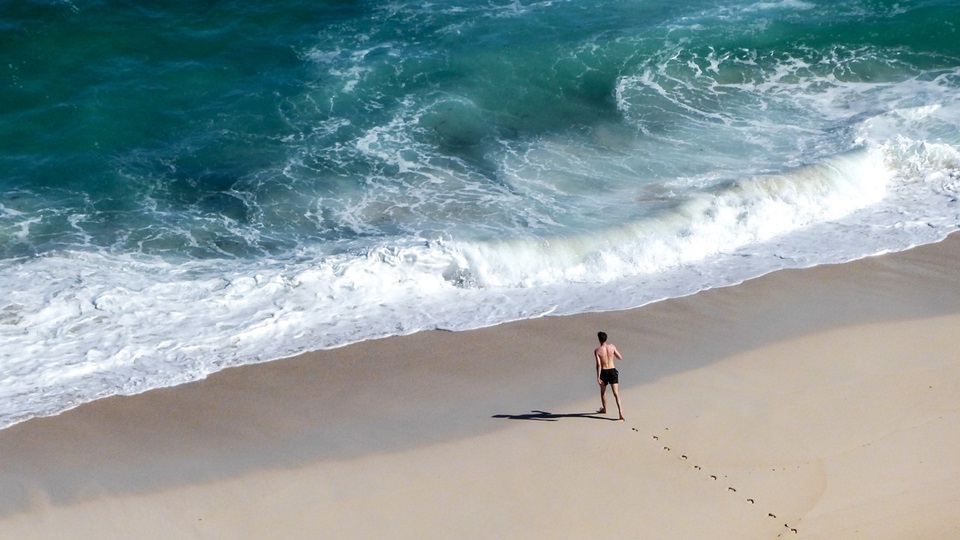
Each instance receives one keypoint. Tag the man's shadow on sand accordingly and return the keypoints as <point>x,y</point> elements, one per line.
<point>544,416</point>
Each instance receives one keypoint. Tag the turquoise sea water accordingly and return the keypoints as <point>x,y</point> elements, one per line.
<point>186,188</point>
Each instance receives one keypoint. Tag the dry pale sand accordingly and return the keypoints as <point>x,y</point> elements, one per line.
<point>818,403</point>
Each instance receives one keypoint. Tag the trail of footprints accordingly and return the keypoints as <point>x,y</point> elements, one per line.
<point>729,488</point>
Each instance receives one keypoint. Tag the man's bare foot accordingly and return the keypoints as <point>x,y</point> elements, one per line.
<point>601,411</point>
<point>622,418</point>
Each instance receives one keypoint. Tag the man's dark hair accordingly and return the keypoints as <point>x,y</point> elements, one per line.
<point>602,336</point>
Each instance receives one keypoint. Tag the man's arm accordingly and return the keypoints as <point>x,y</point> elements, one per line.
<point>596,356</point>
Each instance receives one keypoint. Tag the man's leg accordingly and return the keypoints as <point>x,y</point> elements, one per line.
<point>616,395</point>
<point>603,398</point>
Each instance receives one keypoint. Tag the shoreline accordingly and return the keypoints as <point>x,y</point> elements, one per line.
<point>737,373</point>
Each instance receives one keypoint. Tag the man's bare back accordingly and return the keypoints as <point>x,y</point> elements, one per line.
<point>606,354</point>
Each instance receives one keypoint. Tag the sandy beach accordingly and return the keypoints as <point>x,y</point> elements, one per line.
<point>816,403</point>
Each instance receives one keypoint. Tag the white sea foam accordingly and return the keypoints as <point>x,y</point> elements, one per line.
<point>798,5</point>
<point>724,219</point>
<point>103,324</point>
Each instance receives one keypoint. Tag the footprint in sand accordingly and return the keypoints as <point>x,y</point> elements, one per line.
<point>750,501</point>
<point>713,476</point>
<point>771,515</point>
<point>667,448</point>
<point>683,456</point>
<point>731,489</point>
<point>697,467</point>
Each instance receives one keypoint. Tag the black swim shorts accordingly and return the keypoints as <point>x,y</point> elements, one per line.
<point>610,376</point>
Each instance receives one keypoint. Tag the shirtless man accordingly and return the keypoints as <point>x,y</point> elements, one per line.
<point>607,372</point>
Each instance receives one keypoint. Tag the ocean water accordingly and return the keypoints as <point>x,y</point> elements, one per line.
<point>187,186</point>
